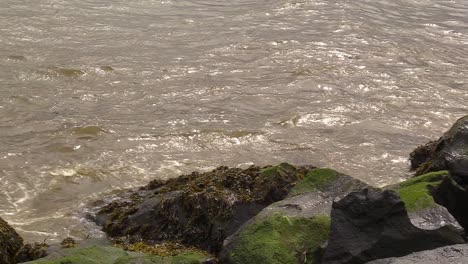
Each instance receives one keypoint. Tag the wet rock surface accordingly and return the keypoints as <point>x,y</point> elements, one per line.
<point>291,230</point>
<point>373,224</point>
<point>454,196</point>
<point>456,254</point>
<point>417,194</point>
<point>449,152</point>
<point>200,209</point>
<point>10,243</point>
<point>31,252</point>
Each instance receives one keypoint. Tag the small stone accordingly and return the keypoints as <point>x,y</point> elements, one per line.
<point>68,243</point>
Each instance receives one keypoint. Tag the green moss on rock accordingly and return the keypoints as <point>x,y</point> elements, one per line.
<point>198,209</point>
<point>416,192</point>
<point>281,168</point>
<point>279,239</point>
<point>89,255</point>
<point>113,255</point>
<point>187,258</point>
<point>315,179</point>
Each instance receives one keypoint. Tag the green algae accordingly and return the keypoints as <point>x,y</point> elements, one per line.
<point>416,192</point>
<point>313,180</point>
<point>114,255</point>
<point>428,177</point>
<point>187,258</point>
<point>89,255</point>
<point>274,170</point>
<point>279,239</point>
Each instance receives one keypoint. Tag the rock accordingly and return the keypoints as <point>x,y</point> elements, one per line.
<point>417,195</point>
<point>68,242</point>
<point>31,252</point>
<point>373,224</point>
<point>99,254</point>
<point>450,152</point>
<point>454,196</point>
<point>200,209</point>
<point>10,243</point>
<point>279,239</point>
<point>456,254</point>
<point>291,230</point>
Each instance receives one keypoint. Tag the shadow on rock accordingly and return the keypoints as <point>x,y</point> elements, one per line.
<point>373,224</point>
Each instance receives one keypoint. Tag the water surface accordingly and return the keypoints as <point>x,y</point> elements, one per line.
<point>98,95</point>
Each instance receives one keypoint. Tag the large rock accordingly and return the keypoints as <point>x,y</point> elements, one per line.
<point>454,196</point>
<point>10,243</point>
<point>31,252</point>
<point>456,254</point>
<point>450,152</point>
<point>417,195</point>
<point>200,209</point>
<point>373,224</point>
<point>292,230</point>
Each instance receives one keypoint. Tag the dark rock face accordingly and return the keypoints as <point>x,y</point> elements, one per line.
<point>456,254</point>
<point>291,230</point>
<point>372,224</point>
<point>453,196</point>
<point>200,209</point>
<point>30,252</point>
<point>450,152</point>
<point>10,243</point>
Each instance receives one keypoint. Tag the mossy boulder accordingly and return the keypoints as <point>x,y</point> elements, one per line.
<point>416,192</point>
<point>449,152</point>
<point>280,239</point>
<point>417,195</point>
<point>291,230</point>
<point>316,179</point>
<point>113,255</point>
<point>199,209</point>
<point>10,243</point>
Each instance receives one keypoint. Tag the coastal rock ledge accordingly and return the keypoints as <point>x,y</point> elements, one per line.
<point>281,214</point>
<point>199,209</point>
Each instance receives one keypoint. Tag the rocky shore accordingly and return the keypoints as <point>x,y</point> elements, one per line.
<point>279,214</point>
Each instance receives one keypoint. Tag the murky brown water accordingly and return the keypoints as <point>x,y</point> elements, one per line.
<point>100,95</point>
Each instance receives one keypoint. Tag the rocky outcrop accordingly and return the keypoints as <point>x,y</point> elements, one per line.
<point>454,196</point>
<point>199,209</point>
<point>373,224</point>
<point>292,230</point>
<point>450,152</point>
<point>417,195</point>
<point>10,243</point>
<point>456,254</point>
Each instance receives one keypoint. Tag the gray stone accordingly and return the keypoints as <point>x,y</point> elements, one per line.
<point>456,254</point>
<point>371,224</point>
